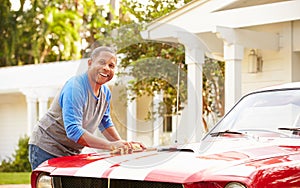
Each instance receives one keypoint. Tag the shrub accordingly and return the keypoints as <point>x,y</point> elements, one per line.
<point>19,161</point>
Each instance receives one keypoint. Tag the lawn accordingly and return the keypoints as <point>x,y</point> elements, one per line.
<point>14,178</point>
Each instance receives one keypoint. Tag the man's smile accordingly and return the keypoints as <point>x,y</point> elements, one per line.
<point>102,74</point>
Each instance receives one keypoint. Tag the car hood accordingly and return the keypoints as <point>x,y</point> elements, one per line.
<point>239,157</point>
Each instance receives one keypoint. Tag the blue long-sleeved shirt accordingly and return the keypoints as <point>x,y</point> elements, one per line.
<point>73,111</point>
<point>77,104</point>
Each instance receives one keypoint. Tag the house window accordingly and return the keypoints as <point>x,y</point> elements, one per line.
<point>168,117</point>
<point>168,123</point>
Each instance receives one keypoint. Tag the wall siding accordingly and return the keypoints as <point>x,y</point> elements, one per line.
<point>13,123</point>
<point>277,65</point>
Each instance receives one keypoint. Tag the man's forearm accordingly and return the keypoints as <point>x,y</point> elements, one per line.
<point>89,140</point>
<point>111,134</point>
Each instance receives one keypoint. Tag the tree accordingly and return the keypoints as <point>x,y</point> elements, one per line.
<point>47,32</point>
<point>57,30</point>
<point>7,32</point>
<point>153,63</point>
<point>98,21</point>
<point>19,161</point>
<point>213,91</point>
<point>56,35</point>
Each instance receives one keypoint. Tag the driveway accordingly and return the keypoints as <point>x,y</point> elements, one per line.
<point>15,186</point>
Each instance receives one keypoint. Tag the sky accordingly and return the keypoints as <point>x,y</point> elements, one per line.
<point>16,3</point>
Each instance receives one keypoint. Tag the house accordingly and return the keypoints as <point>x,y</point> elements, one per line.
<point>26,93</point>
<point>259,40</point>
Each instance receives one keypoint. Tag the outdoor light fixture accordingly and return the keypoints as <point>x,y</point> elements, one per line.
<point>254,62</point>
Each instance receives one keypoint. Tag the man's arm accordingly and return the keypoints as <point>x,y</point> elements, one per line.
<point>111,134</point>
<point>89,140</point>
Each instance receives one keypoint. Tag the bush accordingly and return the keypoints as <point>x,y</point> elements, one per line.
<point>19,161</point>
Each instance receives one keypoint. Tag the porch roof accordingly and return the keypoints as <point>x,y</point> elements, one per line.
<point>204,18</point>
<point>51,75</point>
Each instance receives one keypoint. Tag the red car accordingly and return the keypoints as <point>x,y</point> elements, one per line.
<point>256,144</point>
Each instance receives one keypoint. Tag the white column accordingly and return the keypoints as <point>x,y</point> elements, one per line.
<point>31,101</point>
<point>233,55</point>
<point>131,120</point>
<point>34,95</point>
<point>43,94</point>
<point>31,113</point>
<point>158,120</point>
<point>194,58</point>
<point>43,106</point>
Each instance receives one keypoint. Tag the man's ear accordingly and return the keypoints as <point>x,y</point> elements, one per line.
<point>90,62</point>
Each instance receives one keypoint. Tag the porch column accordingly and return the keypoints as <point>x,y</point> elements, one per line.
<point>31,101</point>
<point>43,94</point>
<point>194,58</point>
<point>31,113</point>
<point>158,120</point>
<point>36,96</point>
<point>131,119</point>
<point>43,106</point>
<point>233,55</point>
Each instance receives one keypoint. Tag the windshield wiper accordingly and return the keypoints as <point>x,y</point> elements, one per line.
<point>225,132</point>
<point>289,129</point>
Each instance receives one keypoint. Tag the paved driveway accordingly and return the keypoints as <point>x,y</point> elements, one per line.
<point>15,186</point>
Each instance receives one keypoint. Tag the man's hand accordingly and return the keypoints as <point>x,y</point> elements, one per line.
<point>137,146</point>
<point>122,147</point>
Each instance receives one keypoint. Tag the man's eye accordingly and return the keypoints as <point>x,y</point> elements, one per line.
<point>112,66</point>
<point>102,62</point>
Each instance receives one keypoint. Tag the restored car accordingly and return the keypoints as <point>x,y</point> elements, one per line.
<point>256,144</point>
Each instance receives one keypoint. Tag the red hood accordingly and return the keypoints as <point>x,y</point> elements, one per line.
<point>179,167</point>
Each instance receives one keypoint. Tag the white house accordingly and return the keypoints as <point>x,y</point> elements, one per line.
<point>27,91</point>
<point>259,40</point>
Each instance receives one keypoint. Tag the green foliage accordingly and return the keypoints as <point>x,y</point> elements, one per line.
<point>19,161</point>
<point>145,13</point>
<point>59,34</point>
<point>213,87</point>
<point>48,31</point>
<point>66,30</point>
<point>57,30</point>
<point>153,65</point>
<point>98,22</point>
<point>8,31</point>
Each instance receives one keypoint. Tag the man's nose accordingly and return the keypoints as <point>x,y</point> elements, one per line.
<point>106,67</point>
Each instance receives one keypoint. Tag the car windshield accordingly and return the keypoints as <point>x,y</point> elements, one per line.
<point>269,113</point>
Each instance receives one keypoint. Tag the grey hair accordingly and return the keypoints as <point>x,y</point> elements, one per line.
<point>100,49</point>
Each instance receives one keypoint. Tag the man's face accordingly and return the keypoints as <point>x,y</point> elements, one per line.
<point>102,67</point>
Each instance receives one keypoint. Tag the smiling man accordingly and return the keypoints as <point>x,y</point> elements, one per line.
<point>80,107</point>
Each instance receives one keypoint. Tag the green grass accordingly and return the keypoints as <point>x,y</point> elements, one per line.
<point>14,178</point>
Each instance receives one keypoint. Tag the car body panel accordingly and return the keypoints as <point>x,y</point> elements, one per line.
<point>246,146</point>
<point>172,166</point>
